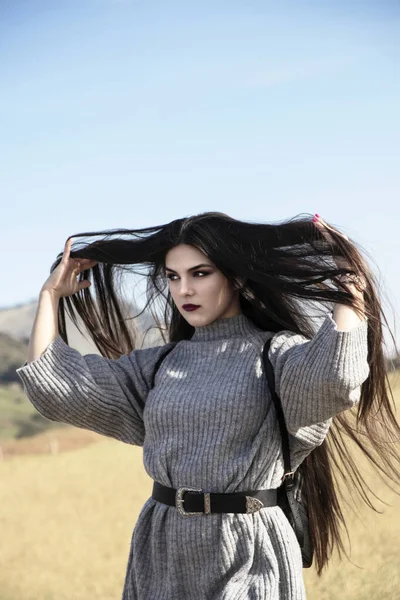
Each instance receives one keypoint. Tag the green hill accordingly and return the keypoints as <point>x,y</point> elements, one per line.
<point>18,417</point>
<point>13,354</point>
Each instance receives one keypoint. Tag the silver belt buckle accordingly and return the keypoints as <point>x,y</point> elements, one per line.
<point>253,504</point>
<point>179,502</point>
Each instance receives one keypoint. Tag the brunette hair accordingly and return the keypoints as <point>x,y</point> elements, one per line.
<point>282,268</point>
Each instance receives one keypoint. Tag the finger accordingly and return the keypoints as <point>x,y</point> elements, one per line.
<point>321,224</point>
<point>319,221</point>
<point>84,284</point>
<point>84,264</point>
<point>67,250</point>
<point>318,224</point>
<point>327,226</point>
<point>336,231</point>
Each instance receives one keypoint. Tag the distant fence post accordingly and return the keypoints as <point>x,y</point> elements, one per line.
<point>53,446</point>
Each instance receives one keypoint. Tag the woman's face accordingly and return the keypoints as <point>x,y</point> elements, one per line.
<point>205,286</point>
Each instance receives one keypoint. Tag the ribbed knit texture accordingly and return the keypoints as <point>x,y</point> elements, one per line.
<point>209,422</point>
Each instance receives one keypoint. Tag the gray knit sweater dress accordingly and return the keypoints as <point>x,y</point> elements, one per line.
<point>209,422</point>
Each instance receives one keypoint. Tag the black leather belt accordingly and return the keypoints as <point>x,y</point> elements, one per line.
<point>193,501</point>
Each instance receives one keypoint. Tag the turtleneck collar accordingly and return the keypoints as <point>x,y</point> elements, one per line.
<point>237,326</point>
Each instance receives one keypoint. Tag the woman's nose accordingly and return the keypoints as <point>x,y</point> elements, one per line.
<point>184,287</point>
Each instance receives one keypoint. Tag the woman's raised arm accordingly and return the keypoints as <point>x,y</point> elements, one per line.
<point>61,282</point>
<point>318,378</point>
<point>92,392</point>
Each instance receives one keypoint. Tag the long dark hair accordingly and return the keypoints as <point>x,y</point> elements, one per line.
<point>280,268</point>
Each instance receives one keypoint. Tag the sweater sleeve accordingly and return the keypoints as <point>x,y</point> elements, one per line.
<point>319,378</point>
<point>91,391</point>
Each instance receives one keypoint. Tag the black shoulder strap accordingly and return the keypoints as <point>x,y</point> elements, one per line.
<point>269,371</point>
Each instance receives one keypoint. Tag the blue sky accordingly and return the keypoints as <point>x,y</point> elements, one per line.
<point>119,113</point>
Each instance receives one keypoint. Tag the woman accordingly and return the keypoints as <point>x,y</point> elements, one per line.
<point>200,405</point>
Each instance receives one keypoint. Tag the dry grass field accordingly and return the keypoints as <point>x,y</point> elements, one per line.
<point>67,517</point>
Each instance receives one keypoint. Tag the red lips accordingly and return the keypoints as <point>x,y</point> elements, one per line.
<point>190,306</point>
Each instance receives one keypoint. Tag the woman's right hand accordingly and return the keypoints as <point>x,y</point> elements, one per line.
<point>63,280</point>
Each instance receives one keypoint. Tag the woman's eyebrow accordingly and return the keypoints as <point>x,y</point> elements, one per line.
<point>191,268</point>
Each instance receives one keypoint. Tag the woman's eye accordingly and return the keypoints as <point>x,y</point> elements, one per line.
<point>195,273</point>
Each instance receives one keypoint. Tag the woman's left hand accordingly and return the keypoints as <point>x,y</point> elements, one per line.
<point>341,263</point>
<point>325,228</point>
